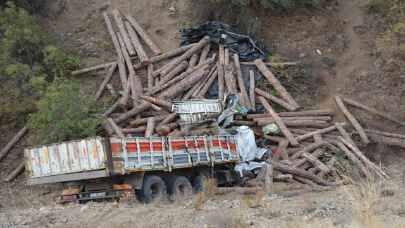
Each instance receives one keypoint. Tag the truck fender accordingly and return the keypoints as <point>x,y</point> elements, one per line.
<point>135,180</point>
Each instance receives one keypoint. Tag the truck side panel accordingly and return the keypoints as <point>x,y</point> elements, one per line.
<point>66,158</point>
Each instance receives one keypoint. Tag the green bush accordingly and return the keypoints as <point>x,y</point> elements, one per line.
<point>64,113</point>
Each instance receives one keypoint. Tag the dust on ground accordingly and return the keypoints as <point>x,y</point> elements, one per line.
<point>341,52</point>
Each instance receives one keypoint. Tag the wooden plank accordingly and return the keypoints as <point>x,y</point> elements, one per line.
<point>279,122</point>
<point>144,35</point>
<point>13,142</point>
<point>352,120</point>
<point>275,83</point>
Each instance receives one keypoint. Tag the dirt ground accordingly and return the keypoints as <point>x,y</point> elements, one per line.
<point>342,51</point>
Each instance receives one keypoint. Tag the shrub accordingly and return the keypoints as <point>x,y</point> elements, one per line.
<point>64,113</point>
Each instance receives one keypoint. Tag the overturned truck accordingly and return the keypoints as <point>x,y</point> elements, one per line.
<point>114,168</point>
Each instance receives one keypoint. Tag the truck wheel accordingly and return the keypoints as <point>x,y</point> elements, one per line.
<point>153,189</point>
<point>179,188</point>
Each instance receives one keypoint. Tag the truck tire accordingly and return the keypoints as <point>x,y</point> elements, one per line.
<point>179,187</point>
<point>153,188</point>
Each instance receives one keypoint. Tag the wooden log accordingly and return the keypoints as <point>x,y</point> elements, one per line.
<point>221,54</point>
<point>320,131</point>
<point>352,120</point>
<point>150,76</point>
<point>282,149</point>
<point>207,85</point>
<point>252,86</point>
<point>133,112</point>
<point>230,80</point>
<point>176,71</point>
<point>279,122</point>
<point>386,140</point>
<point>241,82</point>
<point>386,134</point>
<point>193,89</point>
<point>13,142</point>
<point>297,123</point>
<point>166,129</point>
<point>115,127</point>
<point>221,73</point>
<point>364,159</point>
<point>107,79</point>
<point>193,61</point>
<point>320,112</point>
<point>133,79</point>
<point>301,173</point>
<point>123,32</point>
<point>314,118</point>
<point>226,56</point>
<point>316,163</point>
<point>363,169</point>
<point>169,118</point>
<point>204,54</point>
<point>93,68</point>
<point>308,149</point>
<point>136,130</point>
<point>186,55</point>
<point>344,133</point>
<point>142,33</point>
<point>17,171</point>
<point>276,83</point>
<point>372,111</point>
<point>143,121</point>
<point>150,127</point>
<point>155,107</point>
<point>158,101</point>
<point>184,84</point>
<point>272,64</point>
<point>111,89</point>
<point>120,60</point>
<point>164,56</point>
<point>140,51</point>
<point>274,99</point>
<point>276,139</point>
<point>112,108</point>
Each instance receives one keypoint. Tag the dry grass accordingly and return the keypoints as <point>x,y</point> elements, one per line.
<point>209,191</point>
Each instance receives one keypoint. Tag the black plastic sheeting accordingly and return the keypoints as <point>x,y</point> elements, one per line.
<point>246,47</point>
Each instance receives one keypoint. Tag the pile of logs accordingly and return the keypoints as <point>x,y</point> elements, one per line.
<point>144,81</point>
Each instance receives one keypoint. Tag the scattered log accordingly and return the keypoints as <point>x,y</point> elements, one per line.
<point>137,130</point>
<point>158,101</point>
<point>107,79</point>
<point>204,41</point>
<point>352,120</point>
<point>241,82</point>
<point>276,83</point>
<point>386,140</point>
<point>142,33</point>
<point>110,110</point>
<point>150,76</point>
<point>204,54</point>
<point>353,158</point>
<point>297,123</point>
<point>344,133</point>
<point>133,79</point>
<point>274,99</point>
<point>279,122</point>
<point>221,72</point>
<point>282,149</point>
<point>123,32</point>
<point>270,64</point>
<point>120,61</point>
<point>111,89</point>
<point>276,139</point>
<point>283,178</point>
<point>13,142</point>
<point>320,112</point>
<point>150,127</point>
<point>226,56</point>
<point>364,159</point>
<point>169,118</point>
<point>316,163</point>
<point>387,134</point>
<point>164,56</point>
<point>193,61</point>
<point>115,127</point>
<point>301,173</point>
<point>252,86</point>
<point>177,70</point>
<point>308,149</point>
<point>372,111</point>
<point>143,121</point>
<point>93,68</point>
<point>17,171</point>
<point>206,86</point>
<point>166,129</point>
<point>320,131</point>
<point>140,51</point>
